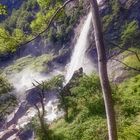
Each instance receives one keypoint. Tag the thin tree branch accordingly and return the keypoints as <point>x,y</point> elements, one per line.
<point>124,49</point>
<point>37,108</point>
<point>116,54</point>
<point>138,70</point>
<point>42,88</point>
<point>49,24</point>
<point>36,86</point>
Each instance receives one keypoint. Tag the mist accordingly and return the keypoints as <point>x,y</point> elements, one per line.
<point>24,80</point>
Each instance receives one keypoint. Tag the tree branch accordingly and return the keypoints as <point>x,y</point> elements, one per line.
<point>38,110</point>
<point>138,70</point>
<point>116,54</point>
<point>124,49</point>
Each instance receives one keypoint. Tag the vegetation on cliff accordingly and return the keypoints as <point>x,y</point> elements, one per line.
<point>86,113</point>
<point>7,100</point>
<point>82,101</point>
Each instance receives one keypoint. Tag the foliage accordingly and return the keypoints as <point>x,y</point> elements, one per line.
<point>130,96</point>
<point>3,10</point>
<point>7,101</point>
<point>8,42</point>
<point>15,28</point>
<point>92,128</point>
<point>31,18</point>
<point>86,112</point>
<point>42,18</point>
<point>55,83</point>
<point>128,108</point>
<point>35,125</point>
<point>88,122</point>
<point>132,61</point>
<point>62,25</point>
<point>130,34</point>
<point>5,86</point>
<point>21,17</point>
<point>112,15</point>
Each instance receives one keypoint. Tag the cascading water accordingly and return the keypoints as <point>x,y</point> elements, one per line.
<point>78,56</point>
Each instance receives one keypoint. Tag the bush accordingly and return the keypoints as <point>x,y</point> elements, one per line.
<point>130,96</point>
<point>130,34</point>
<point>86,119</point>
<point>7,100</point>
<point>5,86</point>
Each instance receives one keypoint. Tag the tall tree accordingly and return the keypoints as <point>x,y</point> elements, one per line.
<point>102,64</point>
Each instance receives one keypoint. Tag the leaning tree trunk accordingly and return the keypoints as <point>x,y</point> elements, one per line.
<point>102,64</point>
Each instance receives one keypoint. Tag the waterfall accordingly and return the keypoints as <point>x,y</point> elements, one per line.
<point>78,56</point>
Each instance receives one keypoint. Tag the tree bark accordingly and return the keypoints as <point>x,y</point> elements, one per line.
<point>102,64</point>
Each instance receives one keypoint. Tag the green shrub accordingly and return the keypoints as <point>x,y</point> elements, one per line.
<point>86,119</point>
<point>132,60</point>
<point>7,100</point>
<point>5,86</point>
<point>89,122</point>
<point>130,96</point>
<point>130,34</point>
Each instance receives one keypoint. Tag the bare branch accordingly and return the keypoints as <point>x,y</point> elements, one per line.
<point>37,82</point>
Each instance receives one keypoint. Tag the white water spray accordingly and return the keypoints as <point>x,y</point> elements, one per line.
<point>78,56</point>
<point>24,80</point>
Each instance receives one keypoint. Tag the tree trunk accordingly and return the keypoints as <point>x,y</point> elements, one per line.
<point>43,127</point>
<point>102,64</point>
